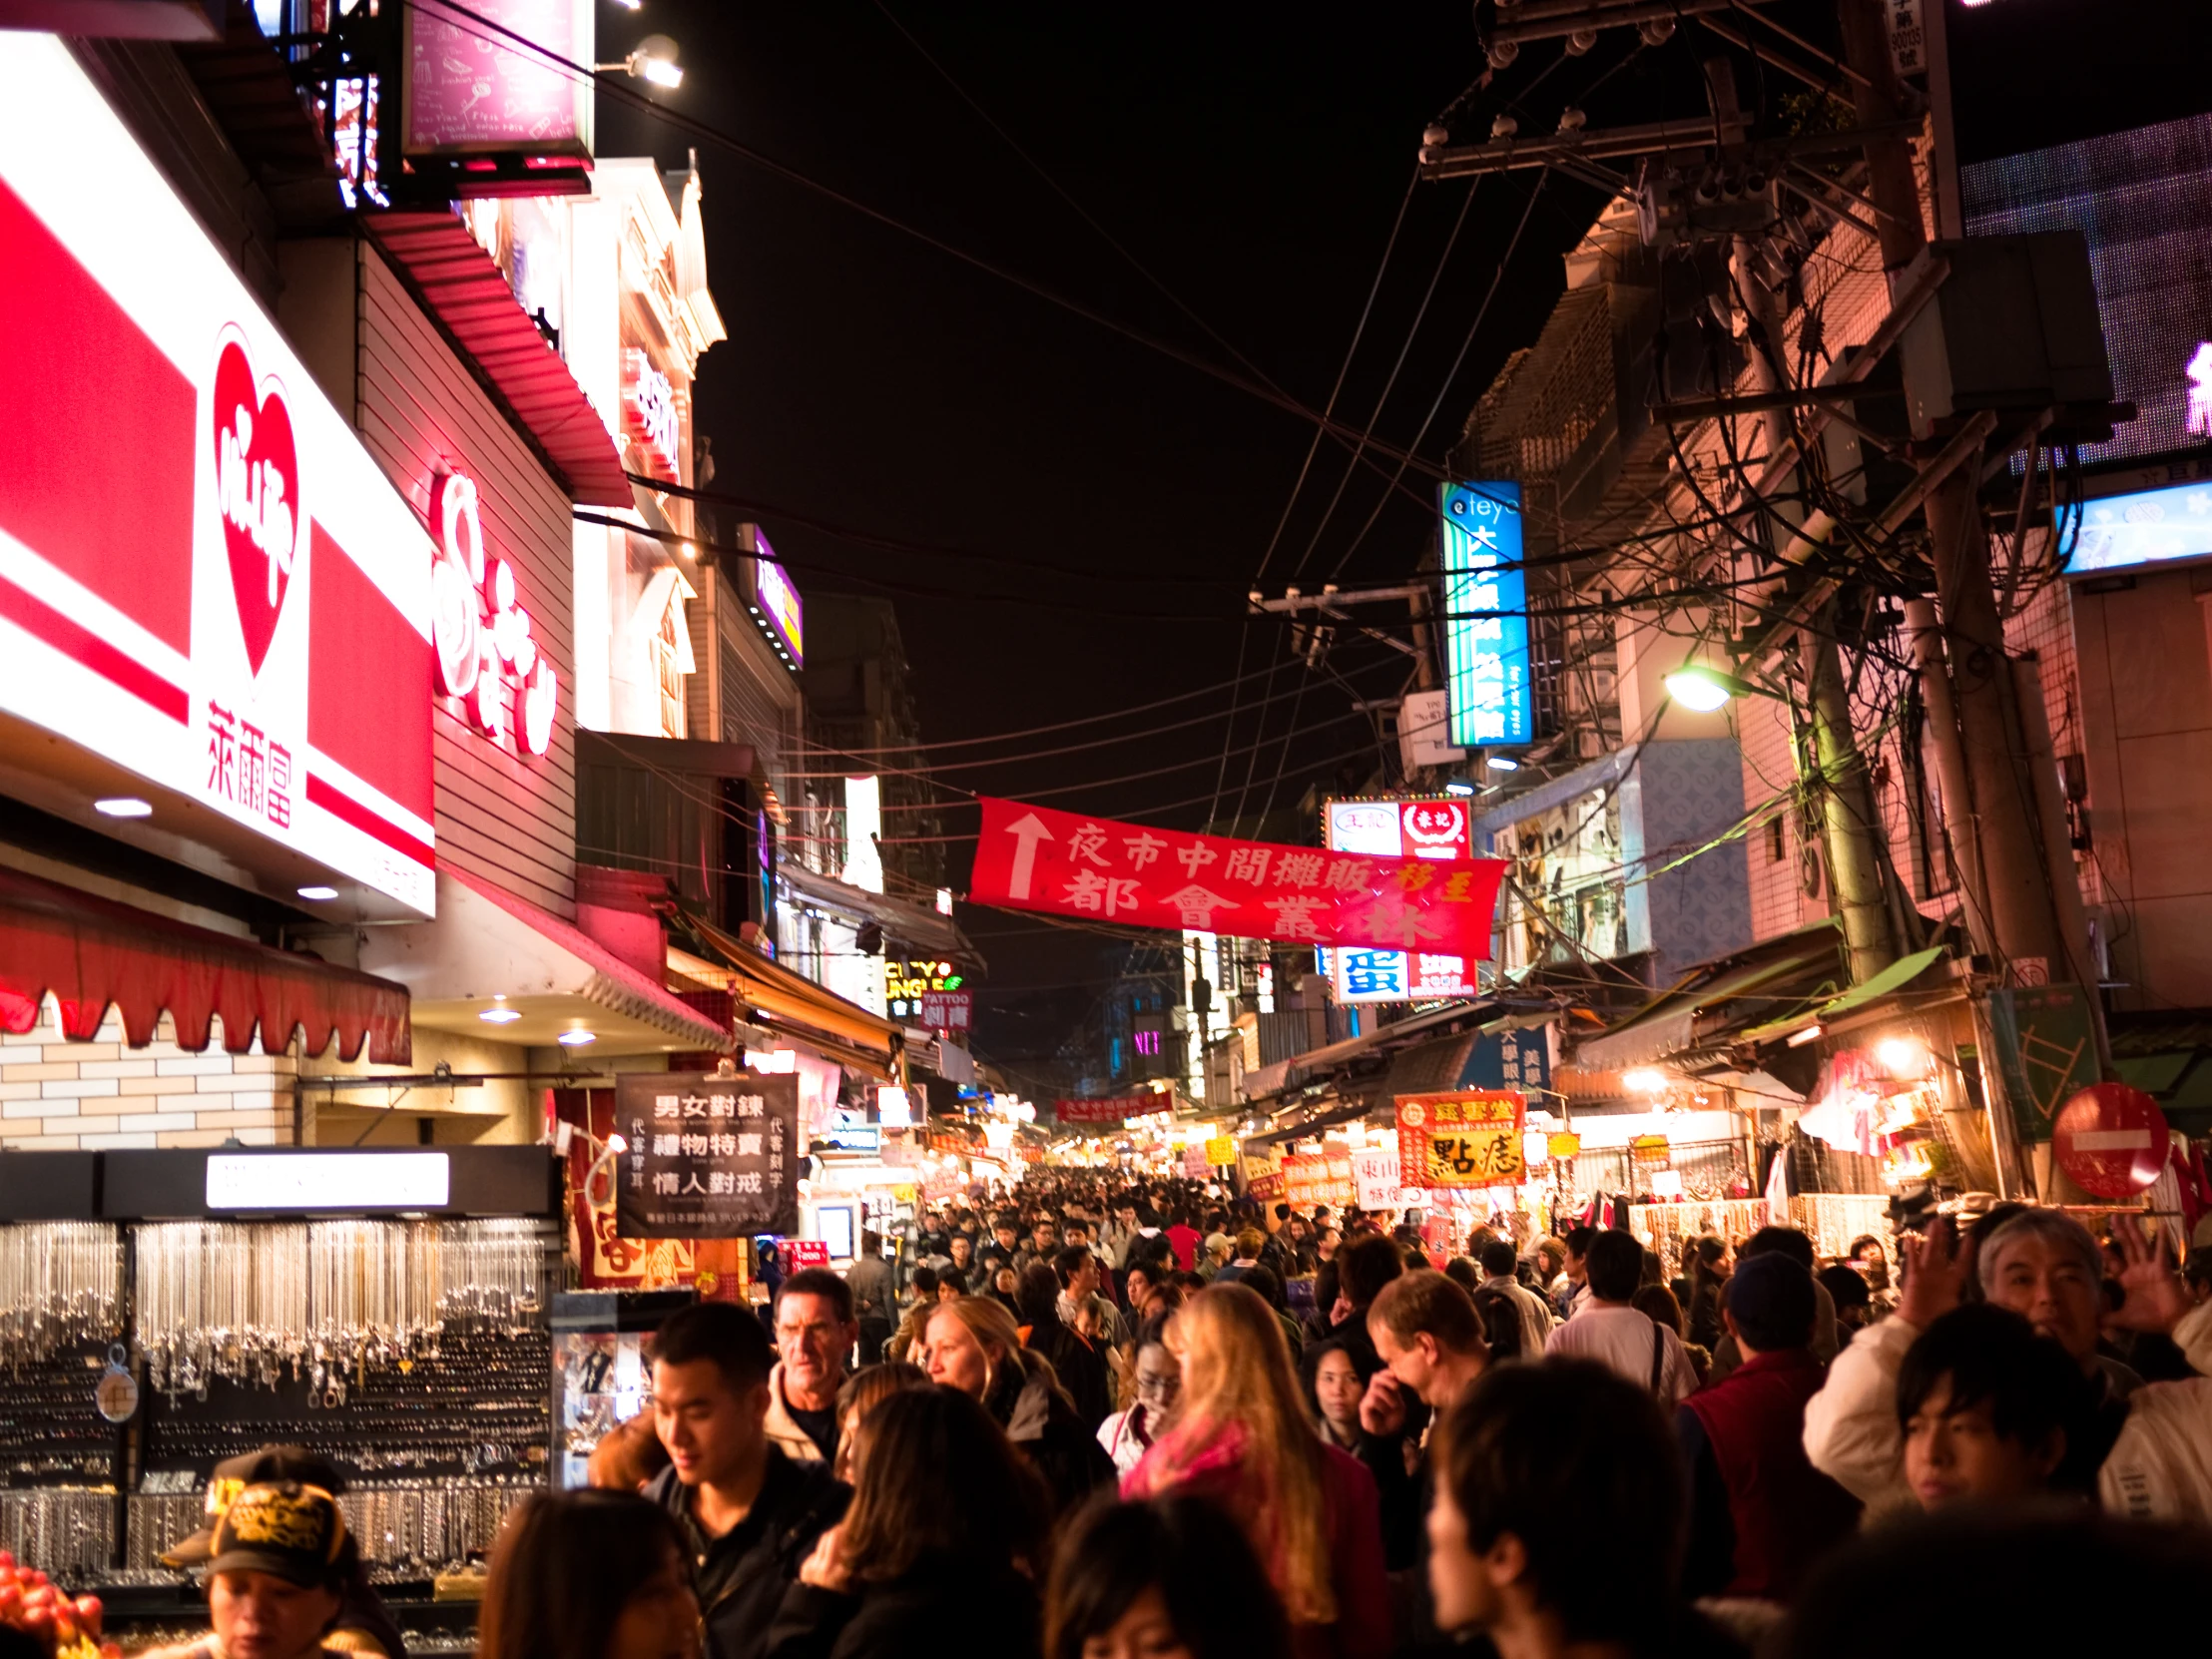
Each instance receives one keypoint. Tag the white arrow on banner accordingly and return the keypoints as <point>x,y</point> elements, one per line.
<point>1027,831</point>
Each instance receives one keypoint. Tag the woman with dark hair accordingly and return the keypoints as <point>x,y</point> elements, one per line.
<point>1707,1275</point>
<point>946,1534</point>
<point>975,1347</point>
<point>1170,1577</point>
<point>589,1574</point>
<point>863,1391</point>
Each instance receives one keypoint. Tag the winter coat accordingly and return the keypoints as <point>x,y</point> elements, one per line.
<point>940,1607</point>
<point>2159,1466</point>
<point>1045,1429</point>
<point>784,1431</point>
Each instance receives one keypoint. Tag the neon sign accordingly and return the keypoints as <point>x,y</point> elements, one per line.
<point>479,636</point>
<point>1485,616</point>
<point>778,610</point>
<point>649,401</point>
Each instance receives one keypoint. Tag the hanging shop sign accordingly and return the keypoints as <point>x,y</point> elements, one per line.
<point>1651,1151</point>
<point>1310,1179</point>
<point>1563,1145</point>
<point>1374,1179</point>
<point>205,579</point>
<point>910,983</point>
<point>1485,616</point>
<point>1462,1139</point>
<point>480,635</point>
<point>1512,1060</point>
<point>1113,1114</point>
<point>1194,1162</point>
<point>708,1157</point>
<point>1431,828</point>
<point>2046,1051</point>
<point>490,77</point>
<point>1036,858</point>
<point>2112,1139</point>
<point>1221,1152</point>
<point>801,1254</point>
<point>776,604</point>
<point>650,419</point>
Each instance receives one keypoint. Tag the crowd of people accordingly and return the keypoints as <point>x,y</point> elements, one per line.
<point>1105,1425</point>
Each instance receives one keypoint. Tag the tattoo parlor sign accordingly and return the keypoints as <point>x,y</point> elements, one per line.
<point>1035,858</point>
<point>707,1157</point>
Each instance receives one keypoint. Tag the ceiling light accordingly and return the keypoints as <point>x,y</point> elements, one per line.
<point>500,1016</point>
<point>1502,763</point>
<point>124,806</point>
<point>1459,786</point>
<point>1798,1039</point>
<point>318,894</point>
<point>575,1039</point>
<point>1644,1080</point>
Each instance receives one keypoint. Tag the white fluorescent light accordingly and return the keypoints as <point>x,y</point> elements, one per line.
<point>500,1016</point>
<point>318,894</point>
<point>124,806</point>
<point>576,1039</point>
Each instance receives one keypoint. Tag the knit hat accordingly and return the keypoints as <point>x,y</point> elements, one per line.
<point>1771,1299</point>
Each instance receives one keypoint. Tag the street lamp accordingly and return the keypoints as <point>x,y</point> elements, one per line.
<point>652,60</point>
<point>1701,688</point>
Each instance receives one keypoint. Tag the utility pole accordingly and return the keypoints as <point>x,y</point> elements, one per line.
<point>1849,822</point>
<point>2001,814</point>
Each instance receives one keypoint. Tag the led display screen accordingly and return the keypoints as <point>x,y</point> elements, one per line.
<point>2143,198</point>
<point>1485,616</point>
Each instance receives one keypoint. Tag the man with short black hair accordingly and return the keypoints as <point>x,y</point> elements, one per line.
<point>1612,1332</point>
<point>1082,1309</point>
<point>1761,1514</point>
<point>874,1297</point>
<point>1557,1514</point>
<point>1499,1260</point>
<point>1572,1288</point>
<point>749,1514</point>
<point>815,1333</point>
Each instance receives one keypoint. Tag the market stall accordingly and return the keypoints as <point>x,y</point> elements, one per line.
<point>165,1311</point>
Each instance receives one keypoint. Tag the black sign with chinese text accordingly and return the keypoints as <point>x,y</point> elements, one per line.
<point>707,1157</point>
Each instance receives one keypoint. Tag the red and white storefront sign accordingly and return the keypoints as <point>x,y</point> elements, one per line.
<point>480,636</point>
<point>204,576</point>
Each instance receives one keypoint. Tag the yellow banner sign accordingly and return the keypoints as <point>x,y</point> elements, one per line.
<point>1462,1140</point>
<point>1221,1150</point>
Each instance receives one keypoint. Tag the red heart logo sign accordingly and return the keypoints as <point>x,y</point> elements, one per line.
<point>256,480</point>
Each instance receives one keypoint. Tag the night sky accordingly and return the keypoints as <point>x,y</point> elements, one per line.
<point>1253,158</point>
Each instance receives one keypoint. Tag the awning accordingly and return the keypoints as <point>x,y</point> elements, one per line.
<point>456,282</point>
<point>1699,1009</point>
<point>1283,1073</point>
<point>1344,1111</point>
<point>90,953</point>
<point>790,1003</point>
<point>489,951</point>
<point>1888,981</point>
<point>907,923</point>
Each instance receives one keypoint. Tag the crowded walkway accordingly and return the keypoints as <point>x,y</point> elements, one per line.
<point>1121,1421</point>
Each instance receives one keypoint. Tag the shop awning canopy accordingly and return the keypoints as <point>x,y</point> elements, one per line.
<point>1719,997</point>
<point>93,953</point>
<point>779,1000</point>
<point>1283,1074</point>
<point>907,924</point>
<point>492,953</point>
<point>1891,980</point>
<point>456,282</point>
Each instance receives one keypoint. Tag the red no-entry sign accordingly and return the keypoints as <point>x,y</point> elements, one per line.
<point>2111,1138</point>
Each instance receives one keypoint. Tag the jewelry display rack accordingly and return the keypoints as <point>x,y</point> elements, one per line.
<point>410,1347</point>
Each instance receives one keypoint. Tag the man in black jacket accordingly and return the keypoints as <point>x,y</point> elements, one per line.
<point>749,1514</point>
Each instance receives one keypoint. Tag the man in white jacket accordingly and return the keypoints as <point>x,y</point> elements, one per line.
<point>2045,1266</point>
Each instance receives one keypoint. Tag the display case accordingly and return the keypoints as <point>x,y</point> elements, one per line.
<point>603,1373</point>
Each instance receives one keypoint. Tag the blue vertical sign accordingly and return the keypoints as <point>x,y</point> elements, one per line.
<point>1486,612</point>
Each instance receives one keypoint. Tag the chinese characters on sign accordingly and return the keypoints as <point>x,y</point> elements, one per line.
<point>649,418</point>
<point>247,767</point>
<point>1114,1113</point>
<point>1434,828</point>
<point>1462,1140</point>
<point>1036,858</point>
<point>1485,616</point>
<point>708,1157</point>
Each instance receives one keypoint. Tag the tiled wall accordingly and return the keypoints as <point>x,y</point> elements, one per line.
<point>57,1095</point>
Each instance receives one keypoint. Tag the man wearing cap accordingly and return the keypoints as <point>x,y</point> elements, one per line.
<point>280,1561</point>
<point>362,1626</point>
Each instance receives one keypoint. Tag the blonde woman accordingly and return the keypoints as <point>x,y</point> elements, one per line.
<point>1244,1438</point>
<point>975,1347</point>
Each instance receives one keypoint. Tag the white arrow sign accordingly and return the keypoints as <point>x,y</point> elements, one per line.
<point>1027,831</point>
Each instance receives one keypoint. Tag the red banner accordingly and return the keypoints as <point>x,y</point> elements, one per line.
<point>1115,1112</point>
<point>1035,858</point>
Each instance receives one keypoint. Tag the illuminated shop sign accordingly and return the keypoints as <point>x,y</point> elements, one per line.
<point>205,578</point>
<point>2147,527</point>
<point>1423,827</point>
<point>479,631</point>
<point>649,418</point>
<point>490,77</point>
<point>776,605</point>
<point>1485,616</point>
